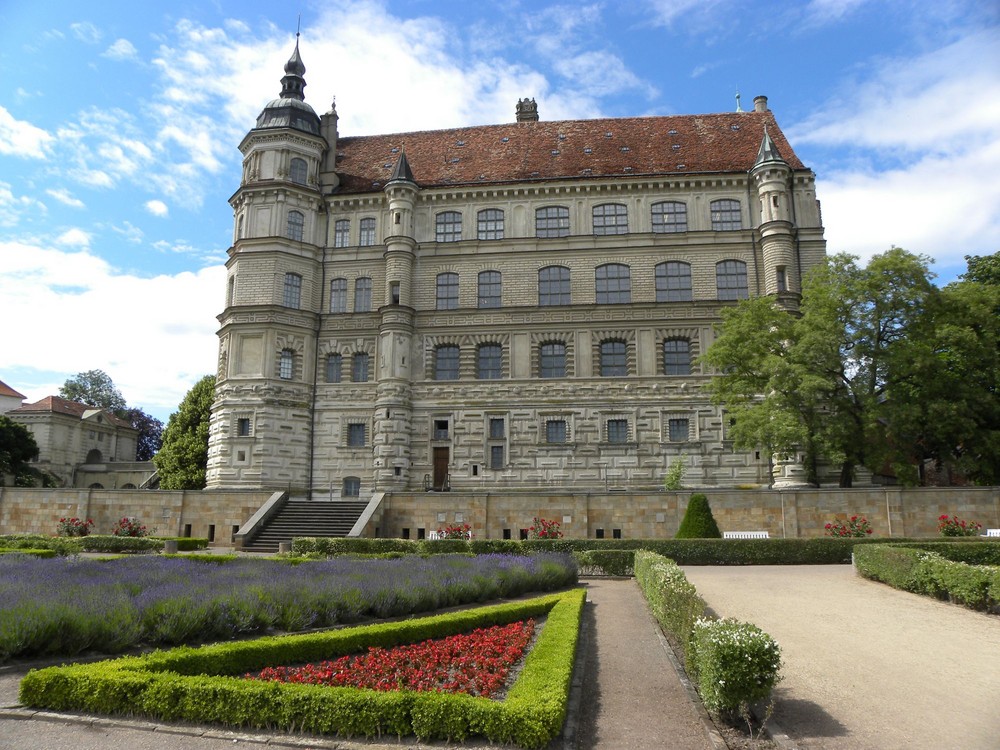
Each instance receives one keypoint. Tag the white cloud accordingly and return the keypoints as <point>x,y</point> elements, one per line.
<point>13,207</point>
<point>913,153</point>
<point>122,49</point>
<point>154,336</point>
<point>822,12</point>
<point>157,208</point>
<point>65,197</point>
<point>74,237</point>
<point>86,32</point>
<point>19,138</point>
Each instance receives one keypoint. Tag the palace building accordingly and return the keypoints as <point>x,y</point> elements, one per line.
<point>514,307</point>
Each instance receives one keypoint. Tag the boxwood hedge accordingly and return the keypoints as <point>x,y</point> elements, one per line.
<point>205,685</point>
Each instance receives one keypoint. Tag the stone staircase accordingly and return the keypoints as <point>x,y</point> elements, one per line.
<point>307,518</point>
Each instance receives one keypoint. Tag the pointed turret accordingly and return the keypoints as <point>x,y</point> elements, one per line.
<point>293,84</point>
<point>290,110</point>
<point>402,172</point>
<point>768,152</point>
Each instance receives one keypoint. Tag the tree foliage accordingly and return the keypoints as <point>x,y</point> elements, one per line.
<point>184,456</point>
<point>17,448</point>
<point>881,369</point>
<point>95,388</point>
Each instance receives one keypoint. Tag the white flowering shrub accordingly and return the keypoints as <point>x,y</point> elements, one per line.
<point>737,663</point>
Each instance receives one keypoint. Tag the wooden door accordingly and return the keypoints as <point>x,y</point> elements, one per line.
<point>441,456</point>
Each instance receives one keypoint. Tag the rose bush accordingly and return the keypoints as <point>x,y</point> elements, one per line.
<point>543,529</point>
<point>954,526</point>
<point>74,526</point>
<point>857,526</point>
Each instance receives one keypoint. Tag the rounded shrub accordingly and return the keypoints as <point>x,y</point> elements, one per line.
<point>698,521</point>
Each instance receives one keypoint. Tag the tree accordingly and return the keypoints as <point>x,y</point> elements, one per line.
<point>94,388</point>
<point>17,448</point>
<point>184,456</point>
<point>698,521</point>
<point>867,374</point>
<point>984,269</point>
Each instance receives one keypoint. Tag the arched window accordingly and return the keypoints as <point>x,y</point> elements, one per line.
<point>552,221</point>
<point>362,294</point>
<point>446,362</point>
<point>610,218</point>
<point>447,291</point>
<point>297,171</point>
<point>338,295</point>
<point>292,296</point>
<point>489,362</point>
<point>286,364</point>
<point>359,368</point>
<point>489,289</point>
<point>366,232</point>
<point>614,359</point>
<point>552,360</point>
<point>334,365</point>
<point>614,284</point>
<point>448,226</point>
<point>673,282</point>
<point>676,357</point>
<point>296,225</point>
<point>553,286</point>
<point>731,280</point>
<point>352,487</point>
<point>489,224</point>
<point>726,215</point>
<point>669,217</point>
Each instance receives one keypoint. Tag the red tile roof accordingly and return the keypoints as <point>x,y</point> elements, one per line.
<point>670,146</point>
<point>59,405</point>
<point>6,390</point>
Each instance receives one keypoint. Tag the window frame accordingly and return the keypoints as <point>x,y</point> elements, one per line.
<point>726,215</point>
<point>731,280</point>
<point>360,366</point>
<point>286,364</point>
<point>551,222</point>
<point>491,282</point>
<point>448,226</point>
<point>357,434</point>
<point>446,291</point>
<point>615,435</point>
<point>609,219</point>
<point>612,289</point>
<point>613,358</point>
<point>447,362</point>
<point>481,360</point>
<point>366,232</point>
<point>674,436</point>
<point>298,170</point>
<point>295,226</point>
<point>334,372</point>
<point>560,427</point>
<point>338,295</point>
<point>342,233</point>
<point>554,292</point>
<point>668,217</point>
<point>676,358</point>
<point>291,296</point>
<point>498,457</point>
<point>552,359</point>
<point>351,487</point>
<point>671,287</point>
<point>490,224</point>
<point>363,294</point>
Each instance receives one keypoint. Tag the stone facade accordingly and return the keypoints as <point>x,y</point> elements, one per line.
<point>504,307</point>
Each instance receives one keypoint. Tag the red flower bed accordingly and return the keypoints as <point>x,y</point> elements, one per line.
<point>476,663</point>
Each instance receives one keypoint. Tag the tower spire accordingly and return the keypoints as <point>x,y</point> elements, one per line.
<point>292,83</point>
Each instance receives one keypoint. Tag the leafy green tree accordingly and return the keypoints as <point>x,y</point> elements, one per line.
<point>94,388</point>
<point>984,269</point>
<point>846,379</point>
<point>150,433</point>
<point>184,456</point>
<point>17,448</point>
<point>698,521</point>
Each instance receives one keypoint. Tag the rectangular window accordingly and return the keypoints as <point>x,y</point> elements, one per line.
<point>489,362</point>
<point>669,217</point>
<point>731,280</point>
<point>338,295</point>
<point>610,218</point>
<point>362,294</point>
<point>614,359</point>
<point>617,431</point>
<point>243,427</point>
<point>342,233</point>
<point>496,457</point>
<point>448,226</point>
<point>334,363</point>
<point>359,368</point>
<point>447,291</point>
<point>496,428</point>
<point>779,278</point>
<point>295,227</point>
<point>552,360</point>
<point>678,430</point>
<point>366,234</point>
<point>293,291</point>
<point>613,284</point>
<point>673,282</point>
<point>726,216</point>
<point>446,362</point>
<point>555,431</point>
<point>356,435</point>
<point>440,429</point>
<point>286,364</point>
<point>553,286</point>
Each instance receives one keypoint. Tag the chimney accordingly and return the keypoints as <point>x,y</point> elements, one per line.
<point>527,110</point>
<point>760,104</point>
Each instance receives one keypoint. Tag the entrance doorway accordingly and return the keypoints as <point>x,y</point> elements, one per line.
<point>441,458</point>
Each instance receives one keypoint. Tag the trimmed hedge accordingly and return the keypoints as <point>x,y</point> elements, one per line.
<point>186,543</point>
<point>61,545</point>
<point>203,684</point>
<point>28,551</point>
<point>120,544</point>
<point>733,664</point>
<point>609,562</point>
<point>924,572</point>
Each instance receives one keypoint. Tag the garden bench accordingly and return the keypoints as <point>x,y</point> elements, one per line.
<point>744,535</point>
<point>992,532</point>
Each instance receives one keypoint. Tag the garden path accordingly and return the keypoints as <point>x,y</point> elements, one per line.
<point>867,667</point>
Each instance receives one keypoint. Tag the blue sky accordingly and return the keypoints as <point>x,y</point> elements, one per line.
<point>119,126</point>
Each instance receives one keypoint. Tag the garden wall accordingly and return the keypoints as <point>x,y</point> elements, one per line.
<point>892,511</point>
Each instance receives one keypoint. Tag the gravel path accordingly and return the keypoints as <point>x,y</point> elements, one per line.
<point>867,666</point>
